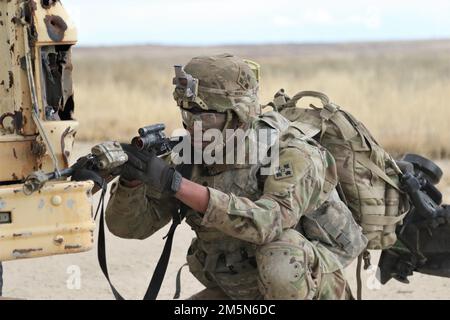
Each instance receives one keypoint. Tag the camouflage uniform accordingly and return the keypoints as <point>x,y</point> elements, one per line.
<point>252,243</point>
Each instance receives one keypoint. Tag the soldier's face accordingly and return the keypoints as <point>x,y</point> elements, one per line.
<point>197,122</point>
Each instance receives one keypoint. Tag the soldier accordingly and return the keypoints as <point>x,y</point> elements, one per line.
<point>280,236</point>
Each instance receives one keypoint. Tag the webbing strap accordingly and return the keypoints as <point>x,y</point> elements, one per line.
<point>323,98</point>
<point>358,278</point>
<point>372,235</point>
<point>161,267</point>
<point>83,175</point>
<point>382,220</point>
<point>375,169</point>
<point>326,114</point>
<point>178,283</point>
<point>365,255</point>
<point>101,249</point>
<point>309,130</point>
<point>347,130</point>
<point>230,93</point>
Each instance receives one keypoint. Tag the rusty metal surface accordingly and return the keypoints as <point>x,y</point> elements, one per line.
<point>14,92</point>
<point>20,156</point>
<point>2,119</point>
<point>16,122</point>
<point>53,24</point>
<point>62,136</point>
<point>16,158</point>
<point>67,152</point>
<point>56,220</point>
<point>56,27</point>
<point>47,4</point>
<point>15,100</point>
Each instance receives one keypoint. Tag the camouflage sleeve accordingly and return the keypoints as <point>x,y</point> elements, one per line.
<point>137,213</point>
<point>295,188</point>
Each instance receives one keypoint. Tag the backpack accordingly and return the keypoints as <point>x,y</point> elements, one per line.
<point>368,175</point>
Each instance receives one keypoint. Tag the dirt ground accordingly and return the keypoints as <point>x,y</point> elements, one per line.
<point>131,264</point>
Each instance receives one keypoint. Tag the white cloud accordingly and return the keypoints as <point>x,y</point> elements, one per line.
<point>283,21</point>
<point>372,19</point>
<point>317,16</point>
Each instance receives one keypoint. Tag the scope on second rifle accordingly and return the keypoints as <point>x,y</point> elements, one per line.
<point>150,137</point>
<point>156,128</point>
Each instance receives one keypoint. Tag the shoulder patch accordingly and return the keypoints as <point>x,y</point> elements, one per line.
<point>284,171</point>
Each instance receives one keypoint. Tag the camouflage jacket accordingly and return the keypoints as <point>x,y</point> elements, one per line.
<point>245,209</point>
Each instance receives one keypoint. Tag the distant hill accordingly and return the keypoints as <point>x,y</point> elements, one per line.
<point>273,50</point>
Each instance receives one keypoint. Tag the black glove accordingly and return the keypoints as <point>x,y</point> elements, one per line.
<point>145,166</point>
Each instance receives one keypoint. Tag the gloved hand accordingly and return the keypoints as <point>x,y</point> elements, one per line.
<point>145,166</point>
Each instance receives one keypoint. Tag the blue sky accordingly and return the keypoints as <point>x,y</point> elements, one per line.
<point>203,22</point>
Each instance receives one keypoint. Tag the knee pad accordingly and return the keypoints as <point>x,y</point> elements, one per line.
<point>286,268</point>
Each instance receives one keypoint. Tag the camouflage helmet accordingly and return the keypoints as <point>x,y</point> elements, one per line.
<point>222,83</point>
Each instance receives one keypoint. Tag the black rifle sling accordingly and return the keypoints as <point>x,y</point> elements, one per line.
<point>177,218</point>
<point>101,247</point>
<point>83,175</point>
<point>161,267</point>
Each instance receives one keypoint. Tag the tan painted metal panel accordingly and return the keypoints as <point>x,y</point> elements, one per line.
<point>14,91</point>
<point>56,220</point>
<point>58,20</point>
<point>16,158</point>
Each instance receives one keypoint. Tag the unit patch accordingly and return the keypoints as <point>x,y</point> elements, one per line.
<point>284,171</point>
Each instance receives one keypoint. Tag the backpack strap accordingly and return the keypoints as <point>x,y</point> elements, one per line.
<point>375,170</point>
<point>307,129</point>
<point>338,117</point>
<point>282,100</point>
<point>382,220</point>
<point>313,94</point>
<point>329,112</point>
<point>346,123</point>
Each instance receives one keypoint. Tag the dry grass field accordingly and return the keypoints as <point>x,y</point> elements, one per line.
<point>401,91</point>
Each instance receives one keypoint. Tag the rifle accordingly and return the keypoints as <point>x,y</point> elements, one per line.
<point>102,165</point>
<point>106,159</point>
